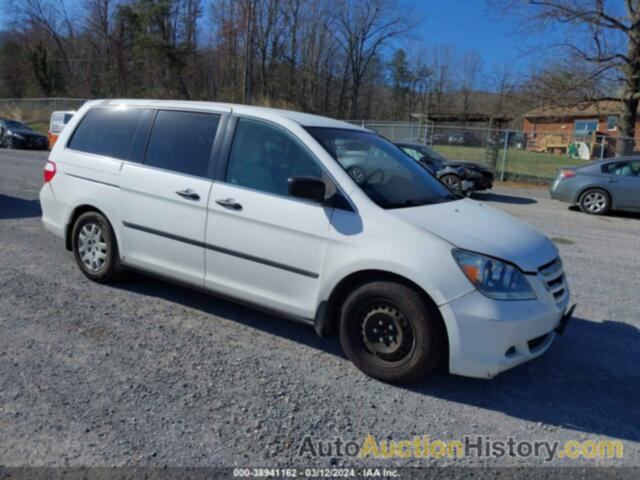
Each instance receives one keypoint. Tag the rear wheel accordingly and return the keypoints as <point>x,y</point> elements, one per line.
<point>95,248</point>
<point>595,201</point>
<point>390,333</point>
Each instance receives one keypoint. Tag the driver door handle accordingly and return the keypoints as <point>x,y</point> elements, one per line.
<point>188,194</point>
<point>229,203</point>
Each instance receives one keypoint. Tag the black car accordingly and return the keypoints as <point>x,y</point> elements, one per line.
<point>14,134</point>
<point>450,172</point>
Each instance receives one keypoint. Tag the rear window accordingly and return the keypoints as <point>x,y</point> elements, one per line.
<point>110,131</point>
<point>182,141</point>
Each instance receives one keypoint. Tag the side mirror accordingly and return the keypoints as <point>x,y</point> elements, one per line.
<point>307,187</point>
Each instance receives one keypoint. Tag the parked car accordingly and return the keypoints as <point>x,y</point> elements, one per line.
<point>460,138</point>
<point>611,184</point>
<point>256,205</point>
<point>14,134</point>
<point>450,172</point>
<point>58,120</point>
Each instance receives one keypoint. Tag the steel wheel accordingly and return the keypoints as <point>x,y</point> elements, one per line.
<point>387,333</point>
<point>92,247</point>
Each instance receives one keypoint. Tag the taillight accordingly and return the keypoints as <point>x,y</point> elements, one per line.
<point>567,173</point>
<point>49,171</point>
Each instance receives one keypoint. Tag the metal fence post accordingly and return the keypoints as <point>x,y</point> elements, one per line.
<point>602,147</point>
<point>504,155</point>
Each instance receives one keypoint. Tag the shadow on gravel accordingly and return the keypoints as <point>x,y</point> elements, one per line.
<point>501,198</point>
<point>211,304</point>
<point>588,381</point>
<point>12,208</point>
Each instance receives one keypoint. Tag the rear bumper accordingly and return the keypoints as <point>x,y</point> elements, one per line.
<point>53,212</point>
<point>487,337</point>
<point>560,191</point>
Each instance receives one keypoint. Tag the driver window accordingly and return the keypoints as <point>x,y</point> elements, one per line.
<point>264,157</point>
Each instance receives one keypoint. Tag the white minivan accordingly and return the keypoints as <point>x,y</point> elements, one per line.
<point>255,204</point>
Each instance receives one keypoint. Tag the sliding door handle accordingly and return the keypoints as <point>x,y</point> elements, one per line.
<point>188,194</point>
<point>229,203</point>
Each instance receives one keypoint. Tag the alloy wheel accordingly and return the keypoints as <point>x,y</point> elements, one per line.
<point>594,202</point>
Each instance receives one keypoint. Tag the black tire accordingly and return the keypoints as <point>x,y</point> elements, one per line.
<point>453,182</point>
<point>107,269</point>
<point>9,144</point>
<point>595,201</point>
<point>418,343</point>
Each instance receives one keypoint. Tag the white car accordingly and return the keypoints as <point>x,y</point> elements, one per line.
<point>253,204</point>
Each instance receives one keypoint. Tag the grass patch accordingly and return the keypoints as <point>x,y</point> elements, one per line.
<point>521,162</point>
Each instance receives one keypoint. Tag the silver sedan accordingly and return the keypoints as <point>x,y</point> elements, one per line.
<point>611,184</point>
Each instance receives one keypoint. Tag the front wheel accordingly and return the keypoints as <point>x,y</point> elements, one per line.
<point>453,182</point>
<point>390,333</point>
<point>95,248</point>
<point>595,202</point>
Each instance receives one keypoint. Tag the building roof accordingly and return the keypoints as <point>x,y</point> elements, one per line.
<point>605,107</point>
<point>304,119</point>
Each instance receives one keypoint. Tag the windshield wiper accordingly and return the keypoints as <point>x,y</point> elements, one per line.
<point>408,203</point>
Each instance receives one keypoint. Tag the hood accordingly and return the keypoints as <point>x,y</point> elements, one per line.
<point>464,163</point>
<point>479,228</point>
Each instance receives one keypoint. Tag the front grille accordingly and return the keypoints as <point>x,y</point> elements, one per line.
<point>552,275</point>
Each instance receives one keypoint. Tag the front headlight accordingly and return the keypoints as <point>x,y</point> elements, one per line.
<point>495,279</point>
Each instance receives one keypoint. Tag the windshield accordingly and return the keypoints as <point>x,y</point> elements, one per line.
<point>432,154</point>
<point>387,175</point>
<point>13,125</point>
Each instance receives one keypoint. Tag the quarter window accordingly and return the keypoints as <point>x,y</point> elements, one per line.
<point>108,131</point>
<point>182,141</point>
<point>263,157</point>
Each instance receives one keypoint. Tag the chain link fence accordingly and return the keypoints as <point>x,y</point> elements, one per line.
<point>511,154</point>
<point>36,111</point>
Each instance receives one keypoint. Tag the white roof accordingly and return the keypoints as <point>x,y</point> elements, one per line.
<point>304,119</point>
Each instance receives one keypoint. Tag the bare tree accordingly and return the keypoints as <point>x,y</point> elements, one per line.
<point>470,73</point>
<point>363,28</point>
<point>603,49</point>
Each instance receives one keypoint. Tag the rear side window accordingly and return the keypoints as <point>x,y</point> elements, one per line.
<point>625,169</point>
<point>109,131</point>
<point>182,141</point>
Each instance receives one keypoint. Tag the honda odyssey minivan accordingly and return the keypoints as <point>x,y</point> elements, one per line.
<point>257,205</point>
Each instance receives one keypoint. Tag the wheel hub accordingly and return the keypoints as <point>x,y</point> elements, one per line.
<point>387,333</point>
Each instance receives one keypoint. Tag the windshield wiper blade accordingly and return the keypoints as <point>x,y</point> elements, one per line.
<point>409,203</point>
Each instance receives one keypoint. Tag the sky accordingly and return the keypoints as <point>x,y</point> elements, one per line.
<point>472,25</point>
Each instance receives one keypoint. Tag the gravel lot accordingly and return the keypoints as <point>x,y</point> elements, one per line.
<point>146,373</point>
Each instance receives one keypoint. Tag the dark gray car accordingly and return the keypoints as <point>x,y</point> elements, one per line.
<point>612,184</point>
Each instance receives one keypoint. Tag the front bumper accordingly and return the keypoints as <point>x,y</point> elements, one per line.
<point>487,336</point>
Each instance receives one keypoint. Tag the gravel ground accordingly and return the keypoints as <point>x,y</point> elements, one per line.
<point>146,373</point>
